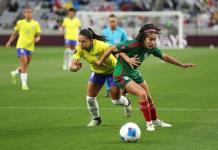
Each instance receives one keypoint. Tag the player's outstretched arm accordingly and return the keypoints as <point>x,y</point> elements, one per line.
<point>107,53</point>
<point>11,39</point>
<point>75,65</point>
<point>174,61</point>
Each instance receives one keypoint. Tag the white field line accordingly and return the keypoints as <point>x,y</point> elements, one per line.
<point>103,108</point>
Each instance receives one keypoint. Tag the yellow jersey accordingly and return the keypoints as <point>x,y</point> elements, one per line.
<point>27,31</point>
<point>71,28</point>
<point>95,54</point>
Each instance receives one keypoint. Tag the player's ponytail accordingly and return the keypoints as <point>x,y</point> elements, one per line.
<point>147,28</point>
<point>90,34</point>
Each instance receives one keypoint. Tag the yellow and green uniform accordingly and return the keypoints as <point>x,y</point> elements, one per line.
<point>27,31</point>
<point>71,28</point>
<point>123,73</point>
<point>95,54</point>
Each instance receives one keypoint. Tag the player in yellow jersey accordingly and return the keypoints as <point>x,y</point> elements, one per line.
<point>29,34</point>
<point>71,26</point>
<point>91,48</point>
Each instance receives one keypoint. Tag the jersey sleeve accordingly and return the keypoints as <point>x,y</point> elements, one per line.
<point>38,29</point>
<point>17,26</point>
<point>105,46</point>
<point>78,23</point>
<point>103,32</point>
<point>157,52</point>
<point>122,47</point>
<point>77,54</point>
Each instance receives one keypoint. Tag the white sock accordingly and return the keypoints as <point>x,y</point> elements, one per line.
<point>23,77</point>
<point>16,72</point>
<point>149,122</point>
<point>92,106</point>
<point>70,53</point>
<point>66,56</point>
<point>122,101</point>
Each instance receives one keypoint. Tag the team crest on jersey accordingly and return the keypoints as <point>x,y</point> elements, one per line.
<point>97,56</point>
<point>146,55</point>
<point>33,27</point>
<point>126,77</point>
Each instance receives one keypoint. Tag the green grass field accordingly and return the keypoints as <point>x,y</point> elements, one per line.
<point>52,115</point>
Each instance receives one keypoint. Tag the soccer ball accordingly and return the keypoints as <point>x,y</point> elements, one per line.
<point>130,132</point>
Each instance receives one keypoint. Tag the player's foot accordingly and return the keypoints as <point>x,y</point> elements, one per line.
<point>13,78</point>
<point>161,123</point>
<point>128,109</point>
<point>25,87</point>
<point>94,122</point>
<point>150,127</point>
<point>107,93</point>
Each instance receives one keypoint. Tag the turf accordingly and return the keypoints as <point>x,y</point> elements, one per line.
<point>52,115</point>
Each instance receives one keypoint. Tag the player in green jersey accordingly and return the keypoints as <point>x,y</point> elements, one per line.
<point>126,74</point>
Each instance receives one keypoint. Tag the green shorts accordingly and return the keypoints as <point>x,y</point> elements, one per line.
<point>122,77</point>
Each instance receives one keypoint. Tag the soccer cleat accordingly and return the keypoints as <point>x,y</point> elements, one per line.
<point>150,127</point>
<point>13,78</point>
<point>128,109</point>
<point>25,87</point>
<point>94,122</point>
<point>161,123</point>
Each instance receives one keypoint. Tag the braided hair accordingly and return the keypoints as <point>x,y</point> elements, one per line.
<point>90,34</point>
<point>147,28</point>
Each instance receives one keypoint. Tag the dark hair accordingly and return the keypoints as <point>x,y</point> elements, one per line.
<point>72,9</point>
<point>90,34</point>
<point>112,16</point>
<point>147,28</point>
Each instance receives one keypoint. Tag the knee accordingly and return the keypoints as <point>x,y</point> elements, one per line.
<point>142,95</point>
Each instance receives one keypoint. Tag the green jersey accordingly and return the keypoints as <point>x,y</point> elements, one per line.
<point>132,48</point>
<point>123,72</point>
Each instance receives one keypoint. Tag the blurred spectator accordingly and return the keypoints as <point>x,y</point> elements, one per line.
<point>84,2</point>
<point>106,7</point>
<point>170,4</point>
<point>13,6</point>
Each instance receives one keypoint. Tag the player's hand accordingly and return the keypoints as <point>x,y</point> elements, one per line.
<point>99,63</point>
<point>134,61</point>
<point>188,65</point>
<point>8,44</point>
<point>75,65</point>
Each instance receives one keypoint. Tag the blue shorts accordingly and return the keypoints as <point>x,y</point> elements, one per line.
<point>21,52</point>
<point>101,78</point>
<point>70,42</point>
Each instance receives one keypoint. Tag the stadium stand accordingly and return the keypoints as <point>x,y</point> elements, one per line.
<point>200,16</point>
